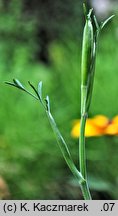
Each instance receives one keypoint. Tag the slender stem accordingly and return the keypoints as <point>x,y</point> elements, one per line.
<point>82,155</point>
<point>82,158</point>
<point>85,191</point>
<point>64,149</point>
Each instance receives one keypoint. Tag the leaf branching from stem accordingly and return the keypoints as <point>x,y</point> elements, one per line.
<point>61,142</point>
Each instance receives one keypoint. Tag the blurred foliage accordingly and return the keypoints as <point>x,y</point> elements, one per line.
<point>58,18</point>
<point>30,160</point>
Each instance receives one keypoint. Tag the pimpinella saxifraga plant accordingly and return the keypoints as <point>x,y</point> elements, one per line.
<point>89,47</point>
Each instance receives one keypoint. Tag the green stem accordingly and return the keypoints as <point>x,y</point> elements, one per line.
<point>85,191</point>
<point>82,155</point>
<point>82,158</point>
<point>64,148</point>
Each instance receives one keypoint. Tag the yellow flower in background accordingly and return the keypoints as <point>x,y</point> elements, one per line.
<point>97,126</point>
<point>90,130</point>
<point>115,120</point>
<point>112,128</point>
<point>100,121</point>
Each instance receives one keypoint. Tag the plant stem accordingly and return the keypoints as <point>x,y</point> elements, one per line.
<point>82,155</point>
<point>82,158</point>
<point>85,190</point>
<point>64,149</point>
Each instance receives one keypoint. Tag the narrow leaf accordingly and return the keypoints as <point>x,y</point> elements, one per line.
<point>85,10</point>
<point>40,90</point>
<point>61,142</point>
<point>106,21</point>
<point>90,12</point>
<point>64,149</point>
<point>37,93</point>
<point>96,22</point>
<point>18,84</point>
<point>34,89</point>
<point>9,83</point>
<point>47,103</point>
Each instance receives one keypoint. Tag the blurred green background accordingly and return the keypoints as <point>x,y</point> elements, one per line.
<point>41,40</point>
